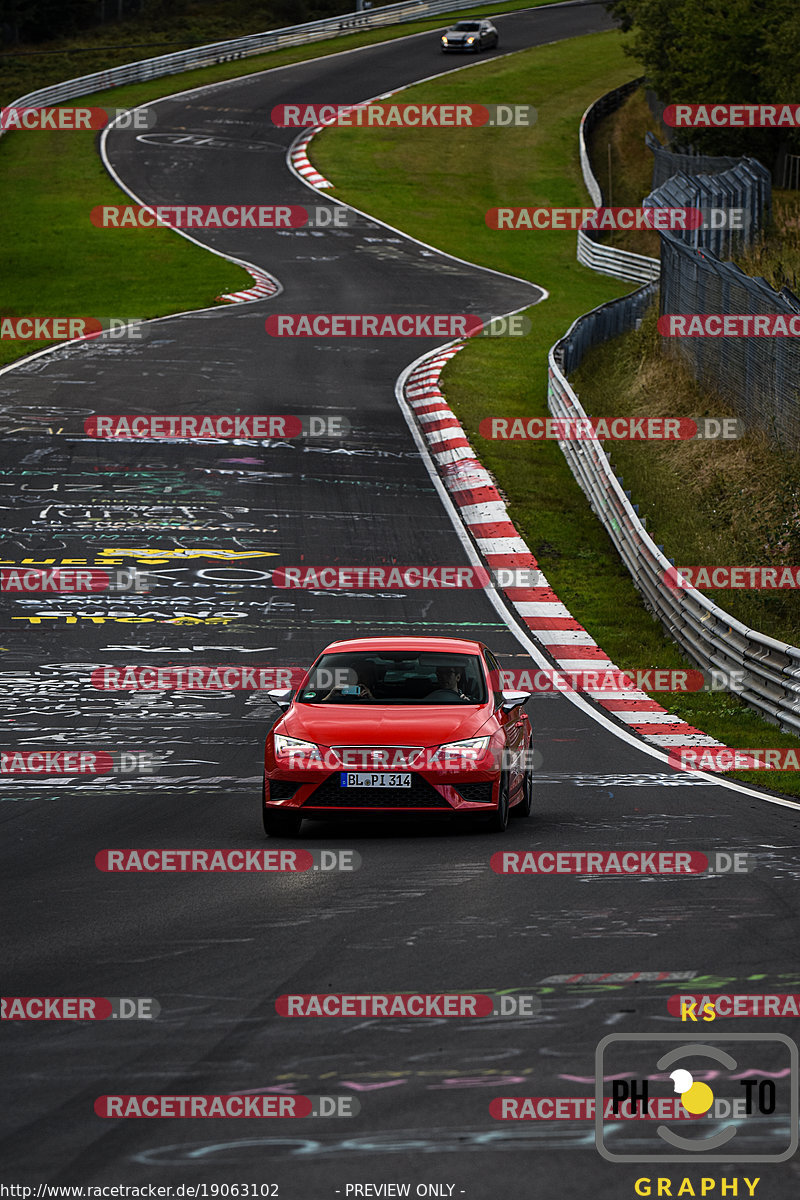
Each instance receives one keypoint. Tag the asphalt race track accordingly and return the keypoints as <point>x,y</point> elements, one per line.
<point>424,912</point>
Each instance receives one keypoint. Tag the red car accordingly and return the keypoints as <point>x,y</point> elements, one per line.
<point>396,726</point>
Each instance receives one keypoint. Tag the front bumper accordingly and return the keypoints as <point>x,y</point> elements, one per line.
<point>321,793</point>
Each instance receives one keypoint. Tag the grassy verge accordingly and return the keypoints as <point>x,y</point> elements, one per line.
<point>438,189</point>
<point>55,263</point>
<point>776,253</point>
<point>708,502</point>
<point>623,167</point>
<point>26,68</point>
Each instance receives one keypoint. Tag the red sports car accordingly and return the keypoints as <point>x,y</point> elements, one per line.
<point>396,726</point>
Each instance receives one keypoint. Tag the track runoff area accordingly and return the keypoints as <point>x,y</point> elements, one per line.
<point>363,1010</point>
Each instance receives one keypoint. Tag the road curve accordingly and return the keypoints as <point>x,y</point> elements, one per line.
<point>424,912</point>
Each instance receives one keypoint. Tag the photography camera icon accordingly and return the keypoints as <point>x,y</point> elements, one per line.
<point>681,1057</point>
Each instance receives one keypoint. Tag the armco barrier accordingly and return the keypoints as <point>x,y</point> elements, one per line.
<point>621,264</point>
<point>710,637</point>
<point>244,47</point>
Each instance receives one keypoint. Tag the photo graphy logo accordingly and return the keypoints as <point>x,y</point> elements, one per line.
<point>676,1062</point>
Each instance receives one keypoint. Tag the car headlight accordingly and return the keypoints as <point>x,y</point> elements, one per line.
<point>444,39</point>
<point>470,40</point>
<point>293,748</point>
<point>461,754</point>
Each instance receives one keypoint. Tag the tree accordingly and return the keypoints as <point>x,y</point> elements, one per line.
<point>718,52</point>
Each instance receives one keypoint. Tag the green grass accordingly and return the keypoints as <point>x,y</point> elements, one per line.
<point>58,264</point>
<point>55,263</point>
<point>618,140</point>
<point>141,37</point>
<point>58,178</point>
<point>709,502</point>
<point>437,186</point>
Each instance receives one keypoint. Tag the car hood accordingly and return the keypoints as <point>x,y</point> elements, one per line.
<point>385,725</point>
<point>460,36</point>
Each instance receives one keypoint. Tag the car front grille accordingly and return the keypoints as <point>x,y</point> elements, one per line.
<point>377,758</point>
<point>420,795</point>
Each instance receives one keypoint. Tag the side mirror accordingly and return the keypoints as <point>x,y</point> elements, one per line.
<point>282,697</point>
<point>513,700</point>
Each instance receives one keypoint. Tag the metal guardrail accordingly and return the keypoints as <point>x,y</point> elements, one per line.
<point>710,637</point>
<point>242,47</point>
<point>621,264</point>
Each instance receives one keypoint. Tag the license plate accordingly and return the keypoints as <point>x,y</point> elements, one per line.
<point>375,779</point>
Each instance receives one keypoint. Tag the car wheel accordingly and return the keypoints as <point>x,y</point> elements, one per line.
<point>281,824</point>
<point>498,822</point>
<point>277,823</point>
<point>523,809</point>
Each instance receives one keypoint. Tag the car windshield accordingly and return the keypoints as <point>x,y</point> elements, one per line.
<point>467,26</point>
<point>395,677</point>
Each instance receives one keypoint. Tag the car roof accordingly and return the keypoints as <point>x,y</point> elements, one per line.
<point>447,644</point>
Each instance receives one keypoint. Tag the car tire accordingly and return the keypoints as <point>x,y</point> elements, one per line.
<point>276,823</point>
<point>281,824</point>
<point>523,809</point>
<point>498,822</point>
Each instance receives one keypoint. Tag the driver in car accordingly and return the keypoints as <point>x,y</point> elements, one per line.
<point>449,689</point>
